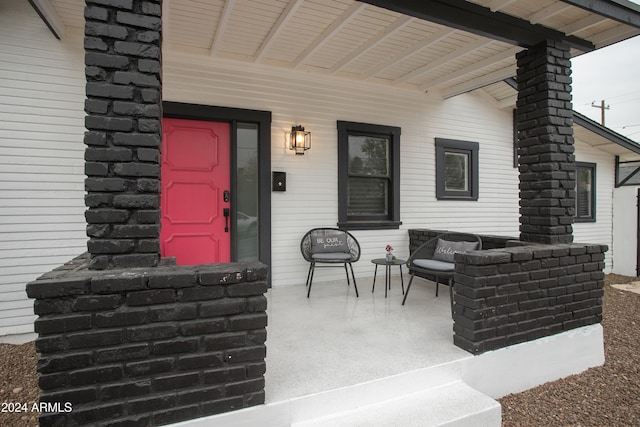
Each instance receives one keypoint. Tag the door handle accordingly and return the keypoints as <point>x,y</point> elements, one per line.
<point>225,212</point>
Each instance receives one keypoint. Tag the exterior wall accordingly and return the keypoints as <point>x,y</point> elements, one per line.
<point>46,87</point>
<point>601,230</point>
<point>41,156</point>
<point>317,103</point>
<point>625,229</point>
<point>149,346</point>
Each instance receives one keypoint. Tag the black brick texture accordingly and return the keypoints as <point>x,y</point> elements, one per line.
<point>150,345</point>
<point>124,105</point>
<point>545,144</point>
<point>517,291</point>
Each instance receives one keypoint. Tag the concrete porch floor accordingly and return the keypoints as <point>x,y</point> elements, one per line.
<point>341,361</point>
<point>337,360</point>
<point>334,339</point>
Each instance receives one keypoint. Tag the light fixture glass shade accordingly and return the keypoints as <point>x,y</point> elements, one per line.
<point>299,140</point>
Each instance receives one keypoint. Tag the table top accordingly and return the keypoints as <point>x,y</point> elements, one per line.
<point>383,261</point>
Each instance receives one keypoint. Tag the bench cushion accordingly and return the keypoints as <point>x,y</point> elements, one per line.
<point>331,256</point>
<point>432,264</point>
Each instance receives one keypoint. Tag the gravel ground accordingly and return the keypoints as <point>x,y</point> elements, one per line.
<point>18,385</point>
<point>605,396</point>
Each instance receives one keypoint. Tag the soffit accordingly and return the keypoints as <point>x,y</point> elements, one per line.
<point>354,40</point>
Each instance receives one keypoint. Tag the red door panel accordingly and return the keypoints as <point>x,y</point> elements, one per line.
<point>195,176</point>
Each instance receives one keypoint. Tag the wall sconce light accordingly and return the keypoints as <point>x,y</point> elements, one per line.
<point>299,139</point>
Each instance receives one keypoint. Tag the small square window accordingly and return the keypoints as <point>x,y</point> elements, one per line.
<point>456,169</point>
<point>585,192</point>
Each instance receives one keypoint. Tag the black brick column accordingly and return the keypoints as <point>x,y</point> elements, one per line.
<point>124,102</point>
<point>545,138</point>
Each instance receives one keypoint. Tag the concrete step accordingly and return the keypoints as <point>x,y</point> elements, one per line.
<point>433,396</point>
<point>451,405</point>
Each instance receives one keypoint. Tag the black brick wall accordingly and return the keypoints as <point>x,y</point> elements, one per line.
<point>124,110</point>
<point>150,346</point>
<point>545,144</point>
<point>511,292</point>
<point>512,295</point>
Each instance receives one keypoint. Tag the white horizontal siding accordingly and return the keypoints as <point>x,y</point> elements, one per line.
<point>41,156</point>
<point>600,231</point>
<point>318,102</point>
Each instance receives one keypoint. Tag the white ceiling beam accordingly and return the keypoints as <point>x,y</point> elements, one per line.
<point>496,5</point>
<point>548,12</point>
<point>222,26</point>
<point>284,18</point>
<point>337,25</point>
<point>411,50</point>
<point>50,17</point>
<point>397,25</point>
<point>479,82</point>
<point>508,102</point>
<point>614,35</point>
<point>477,44</point>
<point>470,69</point>
<point>582,24</point>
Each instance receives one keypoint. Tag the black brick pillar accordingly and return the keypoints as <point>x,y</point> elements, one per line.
<point>124,109</point>
<point>545,138</point>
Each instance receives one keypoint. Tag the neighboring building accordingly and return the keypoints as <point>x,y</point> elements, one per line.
<point>42,126</point>
<point>626,219</point>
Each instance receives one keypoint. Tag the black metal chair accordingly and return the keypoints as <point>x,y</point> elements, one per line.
<point>330,246</point>
<point>434,258</point>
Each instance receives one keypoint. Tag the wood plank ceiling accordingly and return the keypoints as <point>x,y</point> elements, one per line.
<point>355,40</point>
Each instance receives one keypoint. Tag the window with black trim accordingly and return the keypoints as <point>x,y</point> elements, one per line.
<point>368,176</point>
<point>456,169</point>
<point>585,192</point>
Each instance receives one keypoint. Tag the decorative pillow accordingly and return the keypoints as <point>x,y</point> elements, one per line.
<point>329,241</point>
<point>446,250</point>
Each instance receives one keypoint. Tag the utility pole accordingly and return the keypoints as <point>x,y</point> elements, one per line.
<point>601,107</point>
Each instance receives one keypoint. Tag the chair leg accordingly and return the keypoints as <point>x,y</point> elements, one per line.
<point>347,272</point>
<point>437,285</point>
<point>406,294</point>
<point>354,280</point>
<point>311,270</point>
<point>308,274</point>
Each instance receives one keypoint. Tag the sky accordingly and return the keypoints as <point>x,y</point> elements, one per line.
<point>611,74</point>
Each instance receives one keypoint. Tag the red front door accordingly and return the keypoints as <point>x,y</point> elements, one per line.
<point>195,191</point>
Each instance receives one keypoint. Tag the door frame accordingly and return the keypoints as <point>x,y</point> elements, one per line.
<point>233,116</point>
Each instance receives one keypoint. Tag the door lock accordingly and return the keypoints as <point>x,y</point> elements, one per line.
<point>226,196</point>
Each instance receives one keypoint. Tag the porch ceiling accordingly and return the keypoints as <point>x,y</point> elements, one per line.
<point>357,40</point>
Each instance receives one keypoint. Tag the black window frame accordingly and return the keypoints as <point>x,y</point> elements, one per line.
<point>592,168</point>
<point>469,148</point>
<point>392,219</point>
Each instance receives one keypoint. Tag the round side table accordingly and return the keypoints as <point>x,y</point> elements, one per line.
<point>387,277</point>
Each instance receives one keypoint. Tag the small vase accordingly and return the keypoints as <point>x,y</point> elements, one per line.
<point>389,257</point>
